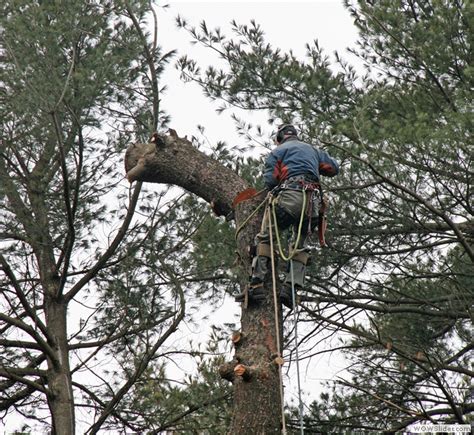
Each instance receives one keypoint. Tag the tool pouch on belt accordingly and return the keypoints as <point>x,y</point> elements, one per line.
<point>323,222</point>
<point>301,256</point>
<point>263,250</point>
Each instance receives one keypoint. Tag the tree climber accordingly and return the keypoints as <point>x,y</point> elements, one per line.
<point>291,173</point>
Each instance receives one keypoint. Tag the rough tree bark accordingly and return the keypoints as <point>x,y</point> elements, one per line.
<point>254,370</point>
<point>58,377</point>
<point>60,396</point>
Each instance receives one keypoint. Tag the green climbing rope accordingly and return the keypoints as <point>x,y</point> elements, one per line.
<point>291,253</point>
<point>246,221</point>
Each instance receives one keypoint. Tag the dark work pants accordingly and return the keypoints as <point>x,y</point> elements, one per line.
<point>289,206</point>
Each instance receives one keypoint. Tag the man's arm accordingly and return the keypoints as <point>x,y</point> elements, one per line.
<point>269,171</point>
<point>327,165</point>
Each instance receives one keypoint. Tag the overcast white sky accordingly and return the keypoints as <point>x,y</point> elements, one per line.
<point>288,25</point>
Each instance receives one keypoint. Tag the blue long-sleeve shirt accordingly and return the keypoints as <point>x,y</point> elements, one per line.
<point>293,158</point>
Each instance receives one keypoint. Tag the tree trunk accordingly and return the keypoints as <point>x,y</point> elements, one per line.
<point>254,370</point>
<point>257,406</point>
<point>60,394</point>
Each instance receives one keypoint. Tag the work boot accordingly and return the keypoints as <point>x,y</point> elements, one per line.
<point>286,297</point>
<point>256,293</point>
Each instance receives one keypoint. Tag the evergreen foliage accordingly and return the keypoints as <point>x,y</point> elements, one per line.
<point>95,281</point>
<point>396,283</point>
<point>93,273</point>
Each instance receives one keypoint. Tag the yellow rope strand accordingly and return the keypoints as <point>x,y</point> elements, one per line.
<point>246,221</point>
<point>291,253</point>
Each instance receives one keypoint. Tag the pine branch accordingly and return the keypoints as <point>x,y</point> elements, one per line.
<point>141,366</point>
<point>32,332</point>
<point>102,261</point>
<point>18,377</point>
<point>30,311</point>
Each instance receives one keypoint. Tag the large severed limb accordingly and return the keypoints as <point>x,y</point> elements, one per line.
<point>170,159</point>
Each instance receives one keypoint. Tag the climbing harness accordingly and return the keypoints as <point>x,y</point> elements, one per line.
<point>306,187</point>
<point>291,253</point>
